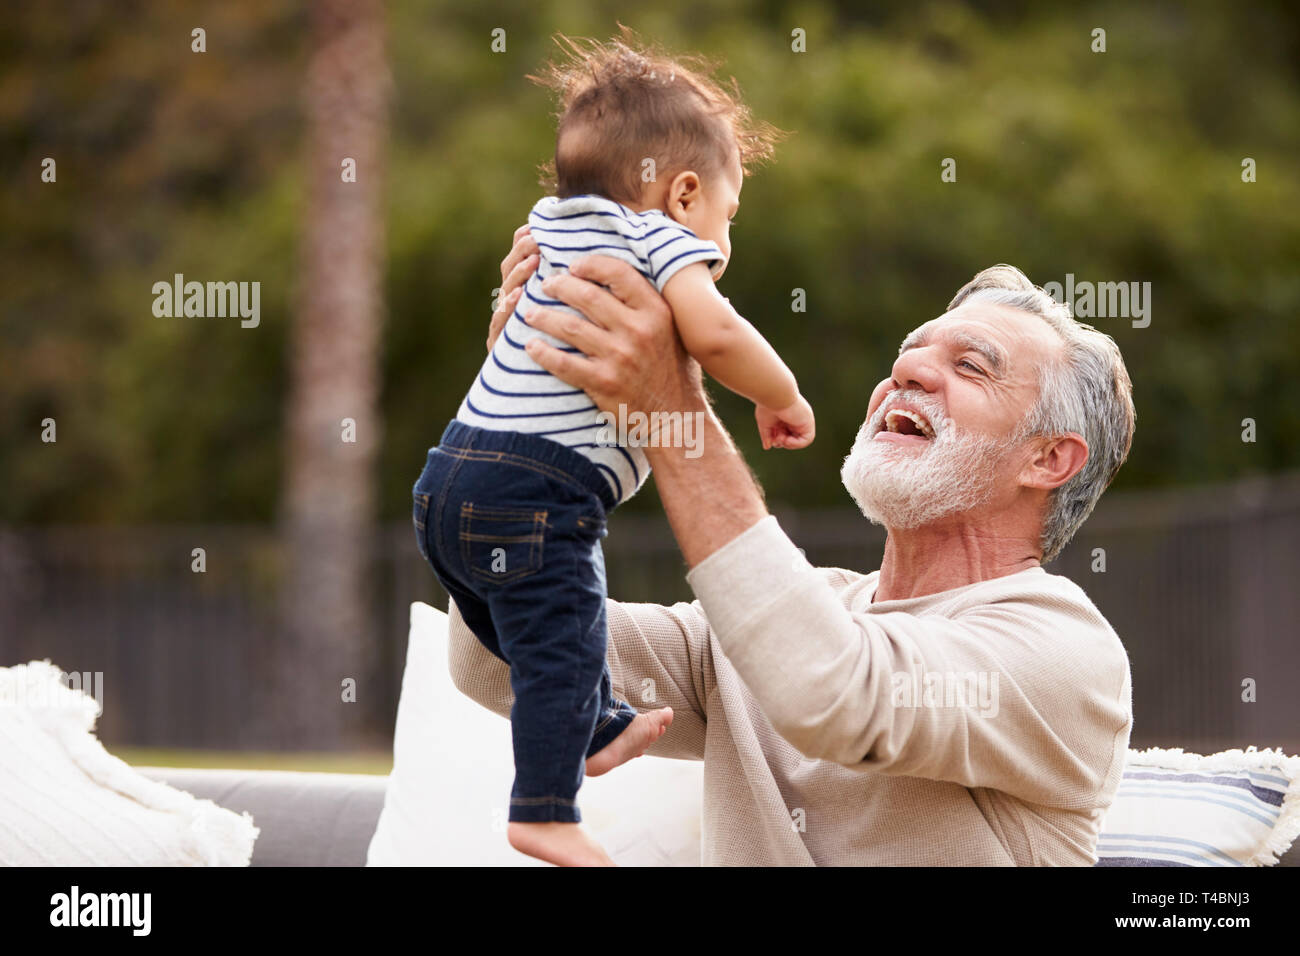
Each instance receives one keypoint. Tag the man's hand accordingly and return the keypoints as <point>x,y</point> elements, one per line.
<point>515,270</point>
<point>631,353</point>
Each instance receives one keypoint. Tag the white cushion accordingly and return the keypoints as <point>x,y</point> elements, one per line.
<point>65,801</point>
<point>453,767</point>
<point>1236,808</point>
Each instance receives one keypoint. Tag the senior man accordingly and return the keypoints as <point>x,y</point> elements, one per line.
<point>960,706</point>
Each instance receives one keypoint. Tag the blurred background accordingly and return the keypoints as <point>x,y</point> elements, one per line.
<point>183,510</point>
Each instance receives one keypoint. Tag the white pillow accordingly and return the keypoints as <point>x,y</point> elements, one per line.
<point>447,796</point>
<point>65,801</point>
<point>1236,808</point>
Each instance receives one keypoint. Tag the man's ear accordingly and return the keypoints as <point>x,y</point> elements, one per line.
<point>1055,461</point>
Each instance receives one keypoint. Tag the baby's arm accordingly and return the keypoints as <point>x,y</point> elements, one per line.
<point>734,353</point>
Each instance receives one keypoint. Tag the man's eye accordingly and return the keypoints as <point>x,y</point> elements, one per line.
<point>971,365</point>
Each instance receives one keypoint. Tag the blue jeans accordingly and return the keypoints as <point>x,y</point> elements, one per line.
<point>511,525</point>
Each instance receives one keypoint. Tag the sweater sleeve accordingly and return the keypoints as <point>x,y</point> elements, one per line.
<point>870,690</point>
<point>658,657</point>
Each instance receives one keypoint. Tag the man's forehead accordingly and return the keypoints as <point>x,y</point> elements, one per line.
<point>1010,331</point>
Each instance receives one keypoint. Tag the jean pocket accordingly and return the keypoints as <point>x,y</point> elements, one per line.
<point>501,544</point>
<point>420,517</point>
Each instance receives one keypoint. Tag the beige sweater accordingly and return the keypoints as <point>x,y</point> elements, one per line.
<point>985,725</point>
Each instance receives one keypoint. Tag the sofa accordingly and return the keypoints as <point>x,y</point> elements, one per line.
<point>316,819</point>
<point>79,805</point>
<point>306,819</point>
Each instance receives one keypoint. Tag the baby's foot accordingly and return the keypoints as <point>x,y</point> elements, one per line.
<point>644,730</point>
<point>564,844</point>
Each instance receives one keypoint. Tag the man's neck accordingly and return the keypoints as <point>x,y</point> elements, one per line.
<point>921,561</point>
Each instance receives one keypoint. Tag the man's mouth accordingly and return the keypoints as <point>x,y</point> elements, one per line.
<point>904,426</point>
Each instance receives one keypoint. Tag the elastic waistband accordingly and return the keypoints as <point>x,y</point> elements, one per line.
<point>562,460</point>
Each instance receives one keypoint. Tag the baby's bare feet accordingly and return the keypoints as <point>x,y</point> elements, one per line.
<point>564,844</point>
<point>644,730</point>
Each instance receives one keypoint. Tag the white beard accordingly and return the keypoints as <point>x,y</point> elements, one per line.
<point>901,486</point>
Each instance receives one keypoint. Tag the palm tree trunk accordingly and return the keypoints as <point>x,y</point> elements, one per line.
<point>329,501</point>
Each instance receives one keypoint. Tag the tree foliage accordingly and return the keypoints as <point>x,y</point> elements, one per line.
<point>1115,166</point>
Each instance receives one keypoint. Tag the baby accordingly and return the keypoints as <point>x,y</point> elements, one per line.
<point>512,503</point>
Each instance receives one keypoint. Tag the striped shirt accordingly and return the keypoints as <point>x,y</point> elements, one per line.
<point>514,393</point>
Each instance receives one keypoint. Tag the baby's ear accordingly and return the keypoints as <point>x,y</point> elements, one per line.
<point>684,190</point>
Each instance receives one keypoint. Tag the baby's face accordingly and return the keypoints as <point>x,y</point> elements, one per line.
<point>710,218</point>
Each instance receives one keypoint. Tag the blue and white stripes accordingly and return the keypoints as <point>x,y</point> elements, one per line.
<point>512,392</point>
<point>1176,809</point>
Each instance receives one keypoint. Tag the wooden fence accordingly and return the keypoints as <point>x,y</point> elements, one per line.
<point>1201,585</point>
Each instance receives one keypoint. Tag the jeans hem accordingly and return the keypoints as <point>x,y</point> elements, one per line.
<point>609,728</point>
<point>545,813</point>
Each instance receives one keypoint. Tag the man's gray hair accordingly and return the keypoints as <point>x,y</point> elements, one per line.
<point>1087,391</point>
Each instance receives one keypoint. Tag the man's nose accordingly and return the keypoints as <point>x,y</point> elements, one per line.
<point>917,368</point>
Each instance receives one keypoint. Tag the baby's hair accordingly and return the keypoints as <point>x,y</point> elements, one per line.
<point>624,101</point>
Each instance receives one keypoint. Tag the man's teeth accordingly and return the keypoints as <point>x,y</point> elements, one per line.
<point>922,426</point>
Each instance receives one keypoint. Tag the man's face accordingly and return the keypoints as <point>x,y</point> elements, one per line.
<point>939,438</point>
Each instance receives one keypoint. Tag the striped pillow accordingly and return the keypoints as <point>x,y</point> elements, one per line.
<point>1236,808</point>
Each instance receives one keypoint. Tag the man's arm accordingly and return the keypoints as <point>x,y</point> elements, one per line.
<point>711,497</point>
<point>1039,703</point>
<point>824,676</point>
<point>658,657</point>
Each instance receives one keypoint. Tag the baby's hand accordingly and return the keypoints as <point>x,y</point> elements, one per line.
<point>791,427</point>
